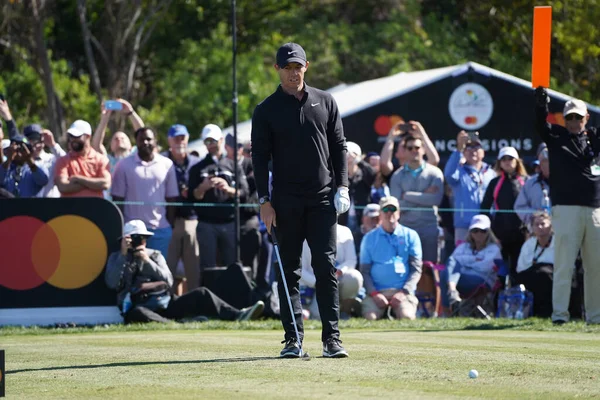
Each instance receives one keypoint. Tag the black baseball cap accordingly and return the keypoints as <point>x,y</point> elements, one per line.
<point>291,52</point>
<point>229,141</point>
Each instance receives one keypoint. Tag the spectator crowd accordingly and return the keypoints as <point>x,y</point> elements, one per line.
<point>475,228</point>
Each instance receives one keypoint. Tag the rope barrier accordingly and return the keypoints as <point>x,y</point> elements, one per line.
<point>253,205</point>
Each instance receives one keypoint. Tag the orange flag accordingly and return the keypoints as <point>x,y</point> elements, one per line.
<point>540,56</point>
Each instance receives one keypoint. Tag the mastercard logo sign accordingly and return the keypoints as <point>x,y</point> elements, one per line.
<point>384,123</point>
<point>67,252</point>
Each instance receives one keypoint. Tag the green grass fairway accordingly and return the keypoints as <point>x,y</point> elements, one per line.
<point>391,360</point>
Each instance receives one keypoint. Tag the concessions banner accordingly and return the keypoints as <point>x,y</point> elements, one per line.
<point>53,252</point>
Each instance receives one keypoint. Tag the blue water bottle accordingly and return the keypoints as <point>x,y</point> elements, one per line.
<point>545,201</point>
<point>126,303</point>
<point>522,298</point>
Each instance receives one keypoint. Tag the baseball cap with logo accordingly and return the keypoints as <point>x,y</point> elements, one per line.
<point>575,106</point>
<point>291,52</point>
<point>178,130</point>
<point>212,131</point>
<point>80,128</point>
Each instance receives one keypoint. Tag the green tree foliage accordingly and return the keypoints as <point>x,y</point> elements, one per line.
<point>184,66</point>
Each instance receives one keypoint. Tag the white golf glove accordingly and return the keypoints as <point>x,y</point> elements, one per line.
<point>341,201</point>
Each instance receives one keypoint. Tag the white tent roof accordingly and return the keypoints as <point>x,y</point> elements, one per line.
<point>354,98</point>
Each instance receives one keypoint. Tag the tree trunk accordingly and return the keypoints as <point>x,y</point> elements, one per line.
<point>54,108</point>
<point>94,76</point>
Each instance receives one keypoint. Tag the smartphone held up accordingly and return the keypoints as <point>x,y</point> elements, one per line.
<point>113,105</point>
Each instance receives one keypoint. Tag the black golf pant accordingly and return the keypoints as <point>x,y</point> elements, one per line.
<point>200,301</point>
<point>314,219</point>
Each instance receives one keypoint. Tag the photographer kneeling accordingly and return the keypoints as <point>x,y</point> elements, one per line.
<point>143,282</point>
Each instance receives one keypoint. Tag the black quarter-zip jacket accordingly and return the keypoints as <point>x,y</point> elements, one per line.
<point>305,140</point>
<point>571,157</point>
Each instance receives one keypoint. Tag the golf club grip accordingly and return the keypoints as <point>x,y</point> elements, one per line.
<point>274,235</point>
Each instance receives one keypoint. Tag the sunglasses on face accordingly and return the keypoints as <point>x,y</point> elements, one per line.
<point>411,148</point>
<point>506,158</point>
<point>388,209</point>
<point>571,117</point>
<point>209,141</point>
<point>477,230</point>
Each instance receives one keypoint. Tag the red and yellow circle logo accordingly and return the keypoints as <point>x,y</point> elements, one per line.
<point>384,123</point>
<point>68,252</point>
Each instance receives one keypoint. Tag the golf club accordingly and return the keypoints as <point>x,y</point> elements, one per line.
<point>287,293</point>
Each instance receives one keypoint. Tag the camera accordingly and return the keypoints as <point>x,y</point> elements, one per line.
<point>136,240</point>
<point>405,127</point>
<point>473,135</point>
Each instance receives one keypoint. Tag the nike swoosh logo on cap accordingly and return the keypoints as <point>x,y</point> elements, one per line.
<point>291,52</point>
<point>315,104</point>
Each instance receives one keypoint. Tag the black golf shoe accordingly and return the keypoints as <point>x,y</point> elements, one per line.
<point>291,349</point>
<point>332,348</point>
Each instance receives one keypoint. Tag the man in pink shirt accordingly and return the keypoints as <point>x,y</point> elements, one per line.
<point>83,172</point>
<point>149,178</point>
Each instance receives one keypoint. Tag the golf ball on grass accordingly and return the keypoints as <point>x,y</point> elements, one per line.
<point>473,374</point>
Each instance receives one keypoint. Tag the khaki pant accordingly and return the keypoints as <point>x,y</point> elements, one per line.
<point>184,246</point>
<point>406,309</point>
<point>349,285</point>
<point>575,228</point>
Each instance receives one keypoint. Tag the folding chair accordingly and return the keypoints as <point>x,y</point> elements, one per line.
<point>428,291</point>
<point>483,297</point>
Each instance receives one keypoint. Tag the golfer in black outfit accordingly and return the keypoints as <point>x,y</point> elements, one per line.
<point>299,128</point>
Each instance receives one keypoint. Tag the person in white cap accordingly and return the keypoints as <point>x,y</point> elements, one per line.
<point>5,145</point>
<point>144,284</point>
<point>361,176</point>
<point>83,172</point>
<point>473,264</point>
<point>499,199</point>
<point>212,180</point>
<point>213,138</point>
<point>575,180</point>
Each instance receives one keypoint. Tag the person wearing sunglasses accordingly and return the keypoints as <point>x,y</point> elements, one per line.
<point>391,263</point>
<point>419,185</point>
<point>468,180</point>
<point>498,203</point>
<point>575,179</point>
<point>472,265</point>
<point>83,172</point>
<point>212,180</point>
